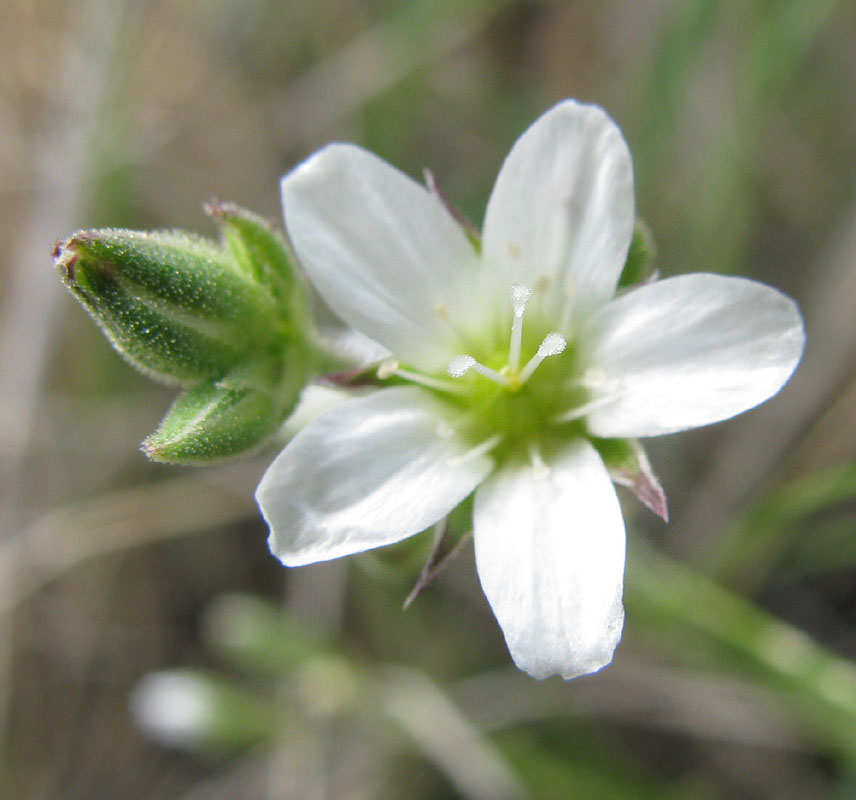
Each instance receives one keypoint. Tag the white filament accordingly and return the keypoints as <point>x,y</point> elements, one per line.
<point>460,365</point>
<point>476,452</point>
<point>540,467</point>
<point>512,376</point>
<point>586,408</point>
<point>520,295</point>
<point>424,380</point>
<point>553,344</point>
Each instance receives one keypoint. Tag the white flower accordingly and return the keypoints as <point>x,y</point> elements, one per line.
<point>514,370</point>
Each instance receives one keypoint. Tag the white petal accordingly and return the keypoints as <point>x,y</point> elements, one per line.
<point>563,207</point>
<point>689,351</point>
<point>315,399</point>
<point>550,556</point>
<point>369,472</point>
<point>381,250</point>
<point>341,339</point>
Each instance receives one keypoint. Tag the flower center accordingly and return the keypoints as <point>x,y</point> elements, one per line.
<point>511,376</point>
<point>518,401</point>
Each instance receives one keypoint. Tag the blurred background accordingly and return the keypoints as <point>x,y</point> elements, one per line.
<point>736,676</point>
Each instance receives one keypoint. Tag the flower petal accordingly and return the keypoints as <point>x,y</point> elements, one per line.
<point>562,208</point>
<point>691,350</point>
<point>366,473</point>
<point>342,340</point>
<point>381,250</point>
<point>550,555</point>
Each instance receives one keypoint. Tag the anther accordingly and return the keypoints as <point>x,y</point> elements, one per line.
<point>386,369</point>
<point>553,344</point>
<point>460,365</point>
<point>520,295</point>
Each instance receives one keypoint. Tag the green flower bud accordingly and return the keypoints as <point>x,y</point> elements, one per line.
<point>639,266</point>
<point>211,422</point>
<point>260,252</point>
<point>228,321</point>
<point>220,419</point>
<point>173,305</point>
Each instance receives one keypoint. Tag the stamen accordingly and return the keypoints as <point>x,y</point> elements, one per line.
<point>460,365</point>
<point>423,380</point>
<point>593,378</point>
<point>520,295</point>
<point>386,369</point>
<point>586,408</point>
<point>476,452</point>
<point>553,344</point>
<point>539,466</point>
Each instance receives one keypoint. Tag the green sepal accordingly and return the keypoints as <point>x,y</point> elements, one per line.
<point>173,305</point>
<point>629,466</point>
<point>220,419</point>
<point>261,252</point>
<point>209,423</point>
<point>639,266</point>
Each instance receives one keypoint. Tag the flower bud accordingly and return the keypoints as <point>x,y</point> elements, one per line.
<point>260,252</point>
<point>173,305</point>
<point>229,322</point>
<point>220,419</point>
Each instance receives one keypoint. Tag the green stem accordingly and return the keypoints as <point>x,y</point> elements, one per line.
<point>820,685</point>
